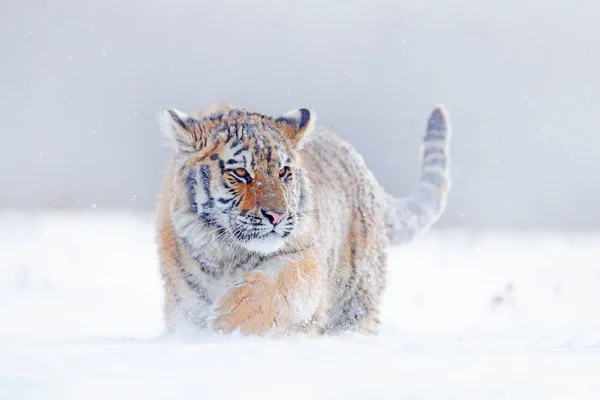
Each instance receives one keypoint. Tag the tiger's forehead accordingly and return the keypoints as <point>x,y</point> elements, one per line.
<point>236,122</point>
<point>239,137</point>
<point>264,154</point>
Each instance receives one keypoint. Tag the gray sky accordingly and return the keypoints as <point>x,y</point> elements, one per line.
<point>81,83</point>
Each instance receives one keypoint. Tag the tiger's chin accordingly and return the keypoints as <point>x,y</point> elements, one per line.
<point>264,245</point>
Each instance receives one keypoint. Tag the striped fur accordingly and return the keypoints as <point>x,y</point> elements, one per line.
<point>414,214</point>
<point>226,262</point>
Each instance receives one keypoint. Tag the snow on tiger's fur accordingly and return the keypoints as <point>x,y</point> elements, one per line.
<point>271,225</point>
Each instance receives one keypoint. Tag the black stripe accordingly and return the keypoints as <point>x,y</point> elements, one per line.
<point>209,269</point>
<point>237,203</point>
<point>269,153</point>
<point>433,151</point>
<point>435,135</point>
<point>190,182</point>
<point>216,117</point>
<point>208,220</point>
<point>231,133</point>
<point>194,285</point>
<point>206,267</point>
<point>242,149</point>
<point>237,142</point>
<point>242,263</point>
<point>179,121</point>
<point>436,162</point>
<point>261,259</point>
<point>188,278</point>
<point>205,176</point>
<point>248,131</point>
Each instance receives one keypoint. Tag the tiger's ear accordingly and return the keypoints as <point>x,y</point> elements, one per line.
<point>297,125</point>
<point>181,130</point>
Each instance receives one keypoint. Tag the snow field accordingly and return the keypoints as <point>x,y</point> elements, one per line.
<point>465,316</point>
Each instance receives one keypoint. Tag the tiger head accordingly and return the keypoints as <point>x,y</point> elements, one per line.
<point>241,172</point>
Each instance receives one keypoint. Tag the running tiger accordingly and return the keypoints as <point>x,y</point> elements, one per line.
<point>268,225</point>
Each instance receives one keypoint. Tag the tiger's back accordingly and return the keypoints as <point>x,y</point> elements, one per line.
<point>350,210</point>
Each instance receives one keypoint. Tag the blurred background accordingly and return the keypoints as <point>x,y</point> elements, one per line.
<point>509,274</point>
<point>81,84</point>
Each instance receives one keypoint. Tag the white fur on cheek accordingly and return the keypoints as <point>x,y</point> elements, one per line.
<point>264,246</point>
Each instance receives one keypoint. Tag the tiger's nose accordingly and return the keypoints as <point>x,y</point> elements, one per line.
<point>274,216</point>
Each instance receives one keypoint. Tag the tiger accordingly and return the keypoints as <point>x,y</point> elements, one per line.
<point>272,225</point>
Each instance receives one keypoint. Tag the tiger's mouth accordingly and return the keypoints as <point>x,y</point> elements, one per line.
<point>263,241</point>
<point>265,244</point>
<point>254,233</point>
<point>251,234</point>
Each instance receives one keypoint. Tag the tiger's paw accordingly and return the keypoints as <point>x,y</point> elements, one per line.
<point>253,305</point>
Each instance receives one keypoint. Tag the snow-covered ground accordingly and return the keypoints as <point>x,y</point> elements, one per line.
<point>465,316</point>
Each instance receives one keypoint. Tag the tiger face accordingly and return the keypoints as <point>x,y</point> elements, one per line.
<point>242,173</point>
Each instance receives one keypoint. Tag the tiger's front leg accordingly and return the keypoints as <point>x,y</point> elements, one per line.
<point>271,299</point>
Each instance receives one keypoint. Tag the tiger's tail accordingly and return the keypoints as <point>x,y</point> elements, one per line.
<point>414,214</point>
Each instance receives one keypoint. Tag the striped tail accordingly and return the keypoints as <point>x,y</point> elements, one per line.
<point>413,215</point>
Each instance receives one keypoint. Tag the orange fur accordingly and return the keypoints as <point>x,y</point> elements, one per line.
<point>262,303</point>
<point>167,239</point>
<point>327,273</point>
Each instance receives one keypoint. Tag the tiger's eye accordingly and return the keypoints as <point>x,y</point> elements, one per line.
<point>241,172</point>
<point>283,171</point>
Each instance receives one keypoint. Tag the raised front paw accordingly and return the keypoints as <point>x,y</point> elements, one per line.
<point>254,305</point>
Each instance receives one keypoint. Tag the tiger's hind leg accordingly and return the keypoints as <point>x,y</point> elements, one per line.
<point>375,279</point>
<point>359,312</point>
